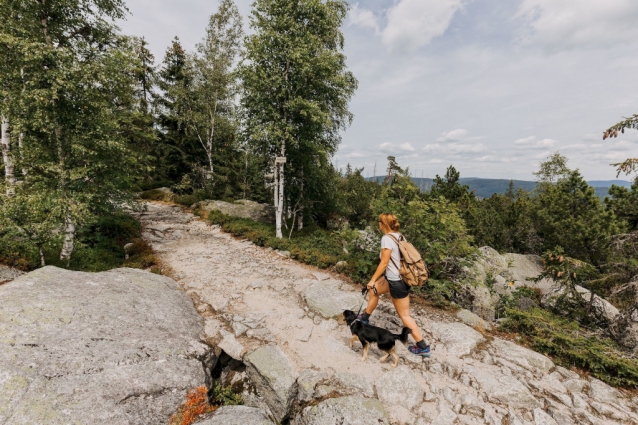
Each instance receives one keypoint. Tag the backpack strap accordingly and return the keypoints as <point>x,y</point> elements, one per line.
<point>397,241</point>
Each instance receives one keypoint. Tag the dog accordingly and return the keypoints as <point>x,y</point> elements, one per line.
<point>367,334</point>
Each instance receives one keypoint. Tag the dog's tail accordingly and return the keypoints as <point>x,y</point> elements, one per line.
<point>403,336</point>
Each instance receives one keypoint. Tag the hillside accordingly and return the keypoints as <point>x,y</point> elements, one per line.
<point>484,188</point>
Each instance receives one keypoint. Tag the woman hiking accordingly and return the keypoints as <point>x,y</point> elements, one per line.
<point>398,289</point>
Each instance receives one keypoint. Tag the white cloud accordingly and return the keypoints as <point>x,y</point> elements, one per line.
<point>363,18</point>
<point>566,24</point>
<point>414,23</point>
<point>531,142</point>
<point>454,148</point>
<point>453,135</point>
<point>407,147</point>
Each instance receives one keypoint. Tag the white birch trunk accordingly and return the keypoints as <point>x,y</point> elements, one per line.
<point>69,239</point>
<point>21,148</point>
<point>9,168</point>
<point>300,221</point>
<point>279,200</point>
<point>42,262</point>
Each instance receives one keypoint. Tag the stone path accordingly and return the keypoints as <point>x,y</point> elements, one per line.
<point>277,321</point>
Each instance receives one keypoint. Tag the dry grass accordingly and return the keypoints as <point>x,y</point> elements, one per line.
<point>196,405</point>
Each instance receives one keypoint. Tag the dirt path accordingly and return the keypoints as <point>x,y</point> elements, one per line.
<point>251,297</point>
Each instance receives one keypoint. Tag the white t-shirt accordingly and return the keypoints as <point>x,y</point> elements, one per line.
<point>392,272</point>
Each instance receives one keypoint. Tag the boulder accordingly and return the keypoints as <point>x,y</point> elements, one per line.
<point>603,393</point>
<point>351,410</point>
<point>522,356</point>
<point>471,319</point>
<point>274,378</point>
<point>236,415</point>
<point>459,339</point>
<point>603,308</point>
<point>542,418</point>
<point>122,346</point>
<point>399,387</point>
<point>330,302</point>
<point>242,209</point>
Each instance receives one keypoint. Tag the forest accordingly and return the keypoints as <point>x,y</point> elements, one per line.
<point>92,124</point>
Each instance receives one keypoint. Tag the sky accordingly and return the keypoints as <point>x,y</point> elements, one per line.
<point>492,87</point>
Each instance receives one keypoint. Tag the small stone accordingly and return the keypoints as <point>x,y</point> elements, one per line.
<point>256,284</point>
<point>239,328</point>
<point>220,305</point>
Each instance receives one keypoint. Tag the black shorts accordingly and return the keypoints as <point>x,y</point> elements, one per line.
<point>398,289</point>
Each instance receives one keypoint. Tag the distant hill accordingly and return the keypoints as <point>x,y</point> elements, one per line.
<point>484,188</point>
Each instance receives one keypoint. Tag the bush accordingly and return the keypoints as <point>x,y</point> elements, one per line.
<point>161,194</point>
<point>569,345</point>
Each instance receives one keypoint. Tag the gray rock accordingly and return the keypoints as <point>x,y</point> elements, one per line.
<point>522,356</point>
<point>236,415</point>
<point>307,382</point>
<point>399,387</point>
<point>472,319</point>
<point>458,338</point>
<point>231,346</point>
<point>542,418</point>
<point>256,284</point>
<point>351,410</point>
<point>353,383</point>
<point>501,388</point>
<point>472,404</point>
<point>341,265</point>
<point>446,415</point>
<point>575,385</point>
<point>274,378</point>
<point>241,209</point>
<point>330,302</point>
<point>602,392</point>
<point>97,348</point>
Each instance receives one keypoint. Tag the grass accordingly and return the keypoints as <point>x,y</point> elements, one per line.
<point>571,346</point>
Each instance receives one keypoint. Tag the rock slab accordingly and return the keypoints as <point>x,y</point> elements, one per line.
<point>236,415</point>
<point>330,302</point>
<point>352,410</point>
<point>117,347</point>
<point>274,377</point>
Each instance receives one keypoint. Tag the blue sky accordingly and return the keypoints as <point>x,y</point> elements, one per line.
<point>490,86</point>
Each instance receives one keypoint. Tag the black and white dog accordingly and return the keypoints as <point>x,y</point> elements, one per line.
<point>367,334</point>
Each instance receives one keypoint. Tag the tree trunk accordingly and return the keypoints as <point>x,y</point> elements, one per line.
<point>279,201</point>
<point>9,169</point>
<point>300,221</point>
<point>69,239</point>
<point>42,262</point>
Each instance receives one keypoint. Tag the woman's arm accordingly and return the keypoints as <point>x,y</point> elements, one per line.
<point>385,260</point>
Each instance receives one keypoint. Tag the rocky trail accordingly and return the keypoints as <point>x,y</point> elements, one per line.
<point>275,325</point>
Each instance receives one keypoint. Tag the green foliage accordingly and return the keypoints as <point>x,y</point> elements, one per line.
<point>432,225</point>
<point>570,215</point>
<point>571,346</point>
<point>223,396</point>
<point>295,95</point>
<point>450,187</point>
<point>624,203</point>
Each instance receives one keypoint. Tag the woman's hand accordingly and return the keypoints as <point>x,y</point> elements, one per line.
<point>371,284</point>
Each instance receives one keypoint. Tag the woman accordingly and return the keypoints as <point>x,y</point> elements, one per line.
<point>398,289</point>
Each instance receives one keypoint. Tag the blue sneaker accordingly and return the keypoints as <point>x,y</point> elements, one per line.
<point>362,320</point>
<point>423,352</point>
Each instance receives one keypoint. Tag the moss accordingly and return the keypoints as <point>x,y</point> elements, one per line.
<point>571,345</point>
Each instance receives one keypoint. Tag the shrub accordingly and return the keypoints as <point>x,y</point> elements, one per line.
<point>158,195</point>
<point>196,405</point>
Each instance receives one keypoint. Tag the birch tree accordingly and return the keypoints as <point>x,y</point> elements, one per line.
<point>7,158</point>
<point>67,79</point>
<point>296,89</point>
<point>207,101</point>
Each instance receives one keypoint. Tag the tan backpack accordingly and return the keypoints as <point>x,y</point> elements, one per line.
<point>413,270</point>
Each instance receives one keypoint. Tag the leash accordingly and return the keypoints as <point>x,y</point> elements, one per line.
<point>364,291</point>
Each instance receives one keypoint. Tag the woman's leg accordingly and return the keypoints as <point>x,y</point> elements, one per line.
<point>373,299</point>
<point>403,309</point>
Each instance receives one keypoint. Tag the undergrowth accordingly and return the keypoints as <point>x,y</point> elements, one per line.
<point>98,247</point>
<point>571,346</point>
<point>201,401</point>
